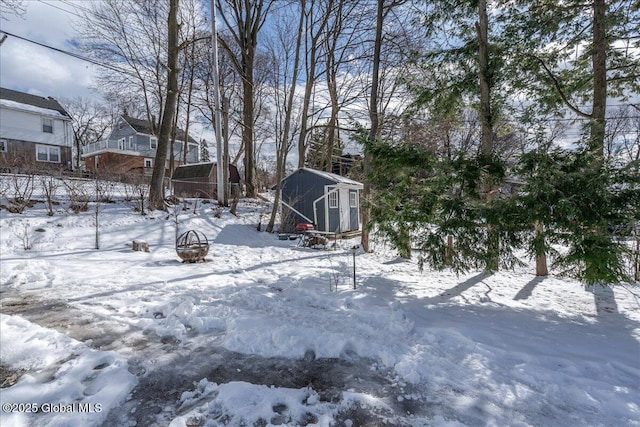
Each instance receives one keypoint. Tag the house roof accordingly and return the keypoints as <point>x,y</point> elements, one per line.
<point>143,126</point>
<point>338,179</point>
<point>32,100</point>
<point>195,170</point>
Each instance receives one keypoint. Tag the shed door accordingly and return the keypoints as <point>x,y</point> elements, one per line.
<point>345,213</point>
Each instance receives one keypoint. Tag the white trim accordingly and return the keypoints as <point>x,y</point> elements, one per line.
<point>327,189</point>
<point>45,122</point>
<point>355,199</point>
<point>297,211</point>
<point>333,201</point>
<point>48,149</point>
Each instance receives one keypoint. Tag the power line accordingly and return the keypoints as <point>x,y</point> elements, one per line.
<point>59,8</point>
<point>74,55</point>
<point>77,6</point>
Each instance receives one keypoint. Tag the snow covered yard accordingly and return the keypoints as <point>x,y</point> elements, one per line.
<point>259,334</point>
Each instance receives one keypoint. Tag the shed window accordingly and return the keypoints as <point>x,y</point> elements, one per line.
<point>47,125</point>
<point>333,199</point>
<point>3,145</point>
<point>353,199</point>
<point>153,143</point>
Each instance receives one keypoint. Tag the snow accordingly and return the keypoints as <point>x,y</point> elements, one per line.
<point>32,109</point>
<point>259,334</point>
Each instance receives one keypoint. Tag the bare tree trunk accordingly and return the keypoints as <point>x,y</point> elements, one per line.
<point>225,149</point>
<point>373,131</point>
<point>247,131</point>
<point>156,189</point>
<point>311,64</point>
<point>486,120</point>
<point>247,19</point>
<point>541,258</point>
<point>185,146</point>
<point>597,137</point>
<point>283,149</point>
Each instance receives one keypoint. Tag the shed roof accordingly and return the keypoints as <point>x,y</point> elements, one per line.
<point>33,100</point>
<point>338,179</point>
<point>195,170</point>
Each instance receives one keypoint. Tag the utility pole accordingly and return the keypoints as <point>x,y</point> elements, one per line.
<point>220,191</point>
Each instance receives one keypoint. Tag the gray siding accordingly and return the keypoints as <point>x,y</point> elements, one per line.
<point>142,143</point>
<point>301,189</point>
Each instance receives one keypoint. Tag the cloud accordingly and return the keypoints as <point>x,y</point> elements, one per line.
<point>36,69</point>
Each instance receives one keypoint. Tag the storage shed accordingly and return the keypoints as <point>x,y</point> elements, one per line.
<point>200,180</point>
<point>328,201</point>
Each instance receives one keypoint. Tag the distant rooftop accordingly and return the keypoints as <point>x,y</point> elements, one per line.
<point>143,126</point>
<point>33,100</point>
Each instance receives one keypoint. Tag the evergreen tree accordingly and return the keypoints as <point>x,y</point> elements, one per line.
<point>580,205</point>
<point>573,56</point>
<point>426,202</point>
<point>204,151</point>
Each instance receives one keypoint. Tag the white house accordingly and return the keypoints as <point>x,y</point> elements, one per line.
<point>34,131</point>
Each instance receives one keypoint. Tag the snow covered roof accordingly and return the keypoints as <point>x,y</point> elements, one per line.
<point>36,104</point>
<point>331,176</point>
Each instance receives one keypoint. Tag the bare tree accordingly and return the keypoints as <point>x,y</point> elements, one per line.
<point>244,20</point>
<point>156,189</point>
<point>382,11</point>
<point>12,7</point>
<point>91,121</point>
<point>288,47</point>
<point>316,20</point>
<point>131,37</point>
<point>231,103</point>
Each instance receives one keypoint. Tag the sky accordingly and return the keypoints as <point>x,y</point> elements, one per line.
<point>268,331</point>
<point>34,69</point>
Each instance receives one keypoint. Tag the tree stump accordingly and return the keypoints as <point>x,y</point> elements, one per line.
<point>140,246</point>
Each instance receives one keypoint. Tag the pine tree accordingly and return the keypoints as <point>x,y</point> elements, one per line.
<point>204,151</point>
<point>578,202</point>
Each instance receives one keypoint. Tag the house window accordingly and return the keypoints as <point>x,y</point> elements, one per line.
<point>153,143</point>
<point>3,145</point>
<point>47,154</point>
<point>47,125</point>
<point>333,199</point>
<point>121,143</point>
<point>131,143</point>
<point>353,199</point>
<point>148,163</point>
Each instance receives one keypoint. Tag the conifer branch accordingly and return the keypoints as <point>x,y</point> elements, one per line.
<point>556,84</point>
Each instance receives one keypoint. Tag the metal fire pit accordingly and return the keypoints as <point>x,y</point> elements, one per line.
<point>192,246</point>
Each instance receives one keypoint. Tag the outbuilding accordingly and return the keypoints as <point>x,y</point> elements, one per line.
<point>200,180</point>
<point>328,201</point>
